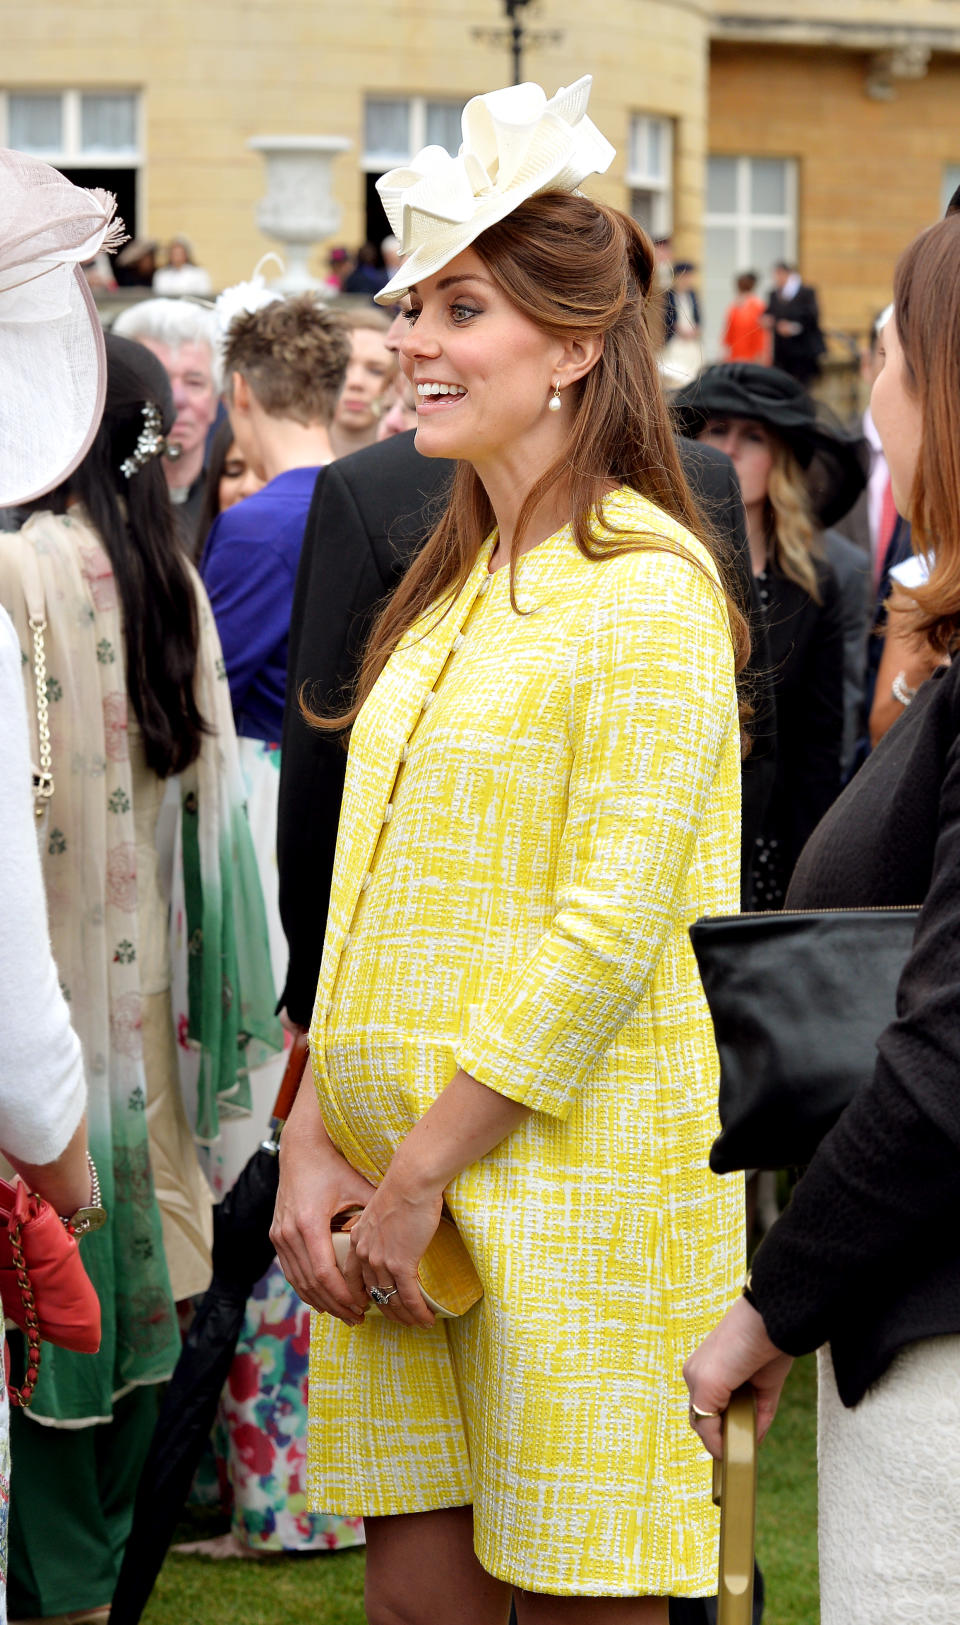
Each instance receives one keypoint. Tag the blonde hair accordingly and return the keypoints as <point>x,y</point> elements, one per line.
<point>795,539</point>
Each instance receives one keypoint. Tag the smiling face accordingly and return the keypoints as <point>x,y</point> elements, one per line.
<point>898,416</point>
<point>750,446</point>
<point>369,371</point>
<point>483,372</point>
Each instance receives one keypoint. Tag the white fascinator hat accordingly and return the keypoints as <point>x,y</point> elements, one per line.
<point>52,358</point>
<point>515,144</point>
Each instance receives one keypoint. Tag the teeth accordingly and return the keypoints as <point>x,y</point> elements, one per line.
<point>424,390</point>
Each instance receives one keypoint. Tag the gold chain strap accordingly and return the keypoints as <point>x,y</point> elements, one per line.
<point>42,776</point>
<point>23,1395</point>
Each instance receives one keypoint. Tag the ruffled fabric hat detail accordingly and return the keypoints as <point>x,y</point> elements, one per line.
<point>52,361</point>
<point>515,144</point>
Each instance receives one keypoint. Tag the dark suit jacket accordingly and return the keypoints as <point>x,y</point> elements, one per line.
<point>370,513</point>
<point>799,354</point>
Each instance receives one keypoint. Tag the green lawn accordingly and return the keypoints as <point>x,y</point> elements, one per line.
<point>328,1589</point>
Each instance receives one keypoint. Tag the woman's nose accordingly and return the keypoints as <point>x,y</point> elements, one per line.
<point>420,339</point>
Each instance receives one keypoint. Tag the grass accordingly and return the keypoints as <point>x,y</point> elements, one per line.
<point>327,1589</point>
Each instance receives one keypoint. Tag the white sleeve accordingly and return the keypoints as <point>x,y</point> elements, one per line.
<point>42,1088</point>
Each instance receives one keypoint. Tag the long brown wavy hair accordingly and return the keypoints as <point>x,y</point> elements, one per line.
<point>926,309</point>
<point>573,267</point>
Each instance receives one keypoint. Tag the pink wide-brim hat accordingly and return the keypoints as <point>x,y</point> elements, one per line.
<point>515,144</point>
<point>52,358</point>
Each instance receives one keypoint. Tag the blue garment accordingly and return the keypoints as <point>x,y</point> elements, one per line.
<point>249,568</point>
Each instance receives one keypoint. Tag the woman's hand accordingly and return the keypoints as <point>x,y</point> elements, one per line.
<point>387,1243</point>
<point>736,1351</point>
<point>315,1183</point>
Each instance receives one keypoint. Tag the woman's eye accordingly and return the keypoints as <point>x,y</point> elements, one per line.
<point>410,315</point>
<point>233,471</point>
<point>462,313</point>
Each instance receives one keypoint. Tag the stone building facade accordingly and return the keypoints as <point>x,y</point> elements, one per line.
<point>834,135</point>
<point>160,100</point>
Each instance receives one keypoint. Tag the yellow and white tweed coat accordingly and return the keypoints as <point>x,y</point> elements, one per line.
<point>537,806</point>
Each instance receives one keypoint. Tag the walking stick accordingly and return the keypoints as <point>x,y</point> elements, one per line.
<point>735,1493</point>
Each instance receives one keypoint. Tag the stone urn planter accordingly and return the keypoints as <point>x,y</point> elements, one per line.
<point>299,207</point>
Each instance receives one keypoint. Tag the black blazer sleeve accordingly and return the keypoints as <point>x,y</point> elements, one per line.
<point>369,514</point>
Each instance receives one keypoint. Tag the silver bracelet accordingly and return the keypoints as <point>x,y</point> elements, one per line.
<point>901,690</point>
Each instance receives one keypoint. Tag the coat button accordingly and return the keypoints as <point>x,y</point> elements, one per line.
<point>367,881</point>
<point>347,939</point>
<point>405,753</point>
<point>458,642</point>
<point>388,812</point>
<point>428,700</point>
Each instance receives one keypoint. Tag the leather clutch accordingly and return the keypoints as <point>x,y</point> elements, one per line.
<point>798,1002</point>
<point>448,1277</point>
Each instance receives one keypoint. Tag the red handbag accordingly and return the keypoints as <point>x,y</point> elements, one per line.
<point>44,1287</point>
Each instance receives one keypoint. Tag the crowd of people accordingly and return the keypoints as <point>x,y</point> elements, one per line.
<point>609,657</point>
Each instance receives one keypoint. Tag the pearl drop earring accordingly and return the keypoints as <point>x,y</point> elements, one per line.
<point>554,403</point>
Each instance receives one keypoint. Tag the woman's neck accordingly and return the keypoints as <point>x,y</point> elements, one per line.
<point>758,536</point>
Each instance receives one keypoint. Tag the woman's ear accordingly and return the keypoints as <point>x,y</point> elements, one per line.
<point>578,357</point>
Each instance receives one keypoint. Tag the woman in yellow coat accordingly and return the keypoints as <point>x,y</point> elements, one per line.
<point>542,794</point>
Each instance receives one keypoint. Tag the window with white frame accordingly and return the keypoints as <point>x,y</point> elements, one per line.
<point>750,223</point>
<point>395,127</point>
<point>650,173</point>
<point>950,180</point>
<point>93,136</point>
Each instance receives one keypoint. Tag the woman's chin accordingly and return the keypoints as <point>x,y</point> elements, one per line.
<point>437,438</point>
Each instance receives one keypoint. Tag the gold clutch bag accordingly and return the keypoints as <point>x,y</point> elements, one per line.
<point>448,1280</point>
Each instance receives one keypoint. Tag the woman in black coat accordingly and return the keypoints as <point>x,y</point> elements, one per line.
<point>867,1257</point>
<point>795,475</point>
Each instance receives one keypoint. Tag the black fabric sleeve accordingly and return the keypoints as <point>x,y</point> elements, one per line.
<point>887,1176</point>
<point>338,584</point>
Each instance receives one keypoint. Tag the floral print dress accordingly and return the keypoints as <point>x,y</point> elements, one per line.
<point>261,1436</point>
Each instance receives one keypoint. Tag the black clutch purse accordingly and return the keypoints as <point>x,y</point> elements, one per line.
<point>798,1002</point>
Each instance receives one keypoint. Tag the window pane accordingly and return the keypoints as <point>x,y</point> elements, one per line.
<point>443,126</point>
<point>951,180</point>
<point>768,186</point>
<point>767,245</point>
<point>388,130</point>
<point>642,209</point>
<point>655,149</point>
<point>36,123</point>
<point>722,185</point>
<point>108,123</point>
<point>720,268</point>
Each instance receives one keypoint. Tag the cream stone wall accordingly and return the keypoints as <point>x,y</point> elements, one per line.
<point>214,72</point>
<point>869,172</point>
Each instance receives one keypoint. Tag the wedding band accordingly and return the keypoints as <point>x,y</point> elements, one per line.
<point>382,1295</point>
<point>702,1416</point>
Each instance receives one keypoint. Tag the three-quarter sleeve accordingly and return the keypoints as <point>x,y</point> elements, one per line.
<point>652,708</point>
<point>42,1087</point>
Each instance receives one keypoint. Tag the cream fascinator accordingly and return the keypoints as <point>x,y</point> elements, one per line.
<point>52,359</point>
<point>516,143</point>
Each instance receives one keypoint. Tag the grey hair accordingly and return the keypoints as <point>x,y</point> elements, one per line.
<point>174,322</point>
